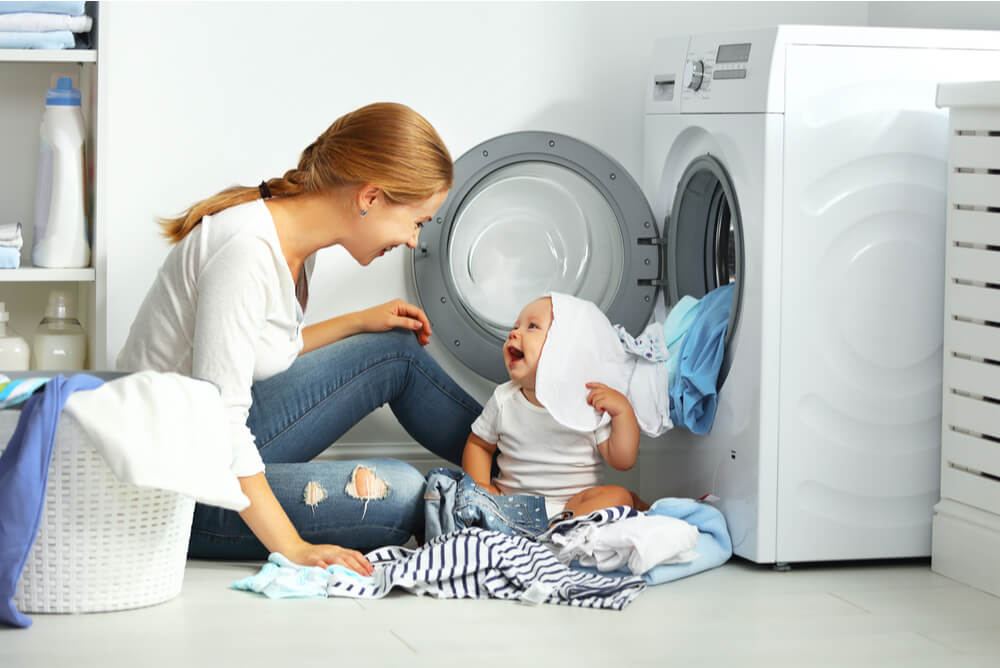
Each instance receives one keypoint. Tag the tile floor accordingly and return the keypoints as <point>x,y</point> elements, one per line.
<point>858,614</point>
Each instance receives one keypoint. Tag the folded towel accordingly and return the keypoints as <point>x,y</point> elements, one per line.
<point>71,8</point>
<point>10,258</point>
<point>37,22</point>
<point>10,235</point>
<point>55,39</point>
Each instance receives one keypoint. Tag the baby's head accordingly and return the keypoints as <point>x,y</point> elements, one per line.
<point>523,347</point>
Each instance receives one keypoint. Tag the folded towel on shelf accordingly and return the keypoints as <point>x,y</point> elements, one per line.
<point>54,39</point>
<point>39,22</point>
<point>71,8</point>
<point>10,235</point>
<point>10,258</point>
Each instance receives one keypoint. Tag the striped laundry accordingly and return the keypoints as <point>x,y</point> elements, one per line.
<point>13,392</point>
<point>479,563</point>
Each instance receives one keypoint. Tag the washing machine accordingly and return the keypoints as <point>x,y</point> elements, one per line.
<point>821,155</point>
<point>805,165</point>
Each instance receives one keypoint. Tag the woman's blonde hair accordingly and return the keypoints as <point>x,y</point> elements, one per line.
<point>388,145</point>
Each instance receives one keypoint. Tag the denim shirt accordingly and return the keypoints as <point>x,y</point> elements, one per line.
<point>453,501</point>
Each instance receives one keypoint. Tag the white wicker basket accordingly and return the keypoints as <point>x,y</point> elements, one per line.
<point>102,544</point>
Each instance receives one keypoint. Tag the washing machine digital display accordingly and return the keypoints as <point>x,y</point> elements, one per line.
<point>733,53</point>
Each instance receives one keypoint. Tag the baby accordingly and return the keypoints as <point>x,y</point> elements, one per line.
<point>538,455</point>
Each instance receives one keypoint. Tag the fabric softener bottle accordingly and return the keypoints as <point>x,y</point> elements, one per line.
<point>60,238</point>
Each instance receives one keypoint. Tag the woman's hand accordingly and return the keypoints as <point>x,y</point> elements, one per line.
<point>307,554</point>
<point>396,313</point>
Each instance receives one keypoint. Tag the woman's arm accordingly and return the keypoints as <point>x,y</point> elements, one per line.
<point>477,461</point>
<point>381,318</point>
<point>622,448</point>
<point>268,521</point>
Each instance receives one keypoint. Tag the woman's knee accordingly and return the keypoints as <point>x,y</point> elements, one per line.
<point>375,479</point>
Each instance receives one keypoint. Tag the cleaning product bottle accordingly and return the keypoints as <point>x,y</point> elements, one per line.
<point>60,341</point>
<point>60,203</point>
<point>13,349</point>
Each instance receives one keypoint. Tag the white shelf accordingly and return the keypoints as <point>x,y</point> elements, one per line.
<point>48,55</point>
<point>43,275</point>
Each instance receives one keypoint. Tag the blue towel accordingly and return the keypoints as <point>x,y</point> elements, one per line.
<point>51,39</point>
<point>24,472</point>
<point>71,8</point>
<point>714,546</point>
<point>693,397</point>
<point>10,258</point>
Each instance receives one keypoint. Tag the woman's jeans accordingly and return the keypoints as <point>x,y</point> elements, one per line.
<point>300,412</point>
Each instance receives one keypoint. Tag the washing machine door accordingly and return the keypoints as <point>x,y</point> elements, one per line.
<point>704,249</point>
<point>532,212</point>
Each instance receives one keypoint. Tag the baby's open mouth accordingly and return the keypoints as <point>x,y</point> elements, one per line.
<point>514,353</point>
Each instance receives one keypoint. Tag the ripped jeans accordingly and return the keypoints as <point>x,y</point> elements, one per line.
<point>297,414</point>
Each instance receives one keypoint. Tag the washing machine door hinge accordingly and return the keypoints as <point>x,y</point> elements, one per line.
<point>661,243</point>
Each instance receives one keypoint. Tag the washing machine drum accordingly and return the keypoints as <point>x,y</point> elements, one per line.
<point>532,212</point>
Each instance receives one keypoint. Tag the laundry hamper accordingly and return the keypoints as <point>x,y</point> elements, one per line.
<point>102,544</point>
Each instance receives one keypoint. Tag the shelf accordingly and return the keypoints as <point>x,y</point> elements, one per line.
<point>43,275</point>
<point>48,55</point>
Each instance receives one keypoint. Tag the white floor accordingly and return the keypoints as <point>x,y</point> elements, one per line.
<point>871,614</point>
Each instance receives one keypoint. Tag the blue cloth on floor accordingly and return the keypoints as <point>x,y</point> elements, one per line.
<point>50,39</point>
<point>714,546</point>
<point>24,471</point>
<point>280,578</point>
<point>10,258</point>
<point>71,8</point>
<point>693,397</point>
<point>453,501</point>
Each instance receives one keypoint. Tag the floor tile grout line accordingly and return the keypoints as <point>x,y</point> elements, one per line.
<point>400,639</point>
<point>848,601</point>
<point>942,643</point>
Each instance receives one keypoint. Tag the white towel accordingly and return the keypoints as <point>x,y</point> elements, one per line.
<point>163,430</point>
<point>583,347</point>
<point>10,235</point>
<point>35,22</point>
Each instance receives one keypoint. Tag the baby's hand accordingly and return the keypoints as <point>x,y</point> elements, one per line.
<point>606,400</point>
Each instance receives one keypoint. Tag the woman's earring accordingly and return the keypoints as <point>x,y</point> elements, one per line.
<point>364,212</point>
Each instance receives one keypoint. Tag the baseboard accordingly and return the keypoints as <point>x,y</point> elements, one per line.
<point>965,545</point>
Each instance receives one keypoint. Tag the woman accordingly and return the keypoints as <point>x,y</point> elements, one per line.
<point>228,304</point>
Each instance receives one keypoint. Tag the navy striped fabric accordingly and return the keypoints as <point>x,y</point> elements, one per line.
<point>479,563</point>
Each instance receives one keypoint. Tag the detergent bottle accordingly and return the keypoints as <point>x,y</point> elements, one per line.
<point>14,351</point>
<point>60,238</point>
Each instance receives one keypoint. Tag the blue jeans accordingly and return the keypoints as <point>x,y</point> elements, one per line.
<point>454,501</point>
<point>297,414</point>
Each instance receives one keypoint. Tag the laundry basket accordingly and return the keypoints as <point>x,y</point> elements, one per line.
<point>102,544</point>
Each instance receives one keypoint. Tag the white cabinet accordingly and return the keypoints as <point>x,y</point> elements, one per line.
<point>25,75</point>
<point>966,530</point>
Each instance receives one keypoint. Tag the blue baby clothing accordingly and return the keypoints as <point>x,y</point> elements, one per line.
<point>453,501</point>
<point>24,470</point>
<point>10,257</point>
<point>280,578</point>
<point>693,398</point>
<point>50,39</point>
<point>49,7</point>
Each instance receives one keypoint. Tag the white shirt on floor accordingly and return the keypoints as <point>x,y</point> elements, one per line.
<point>223,308</point>
<point>537,454</point>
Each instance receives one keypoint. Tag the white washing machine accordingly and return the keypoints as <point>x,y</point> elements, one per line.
<point>811,161</point>
<point>807,166</point>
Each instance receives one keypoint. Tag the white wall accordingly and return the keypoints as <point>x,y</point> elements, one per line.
<point>963,15</point>
<point>203,95</point>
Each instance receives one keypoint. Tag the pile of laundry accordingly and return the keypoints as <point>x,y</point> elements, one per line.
<point>10,246</point>
<point>44,25</point>
<point>486,546</point>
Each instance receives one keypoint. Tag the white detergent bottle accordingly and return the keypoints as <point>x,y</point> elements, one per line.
<point>14,351</point>
<point>60,341</point>
<point>60,203</point>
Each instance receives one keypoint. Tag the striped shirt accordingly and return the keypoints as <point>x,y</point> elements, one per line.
<point>479,563</point>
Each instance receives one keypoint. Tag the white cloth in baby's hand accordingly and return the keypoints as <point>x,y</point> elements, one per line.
<point>581,347</point>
